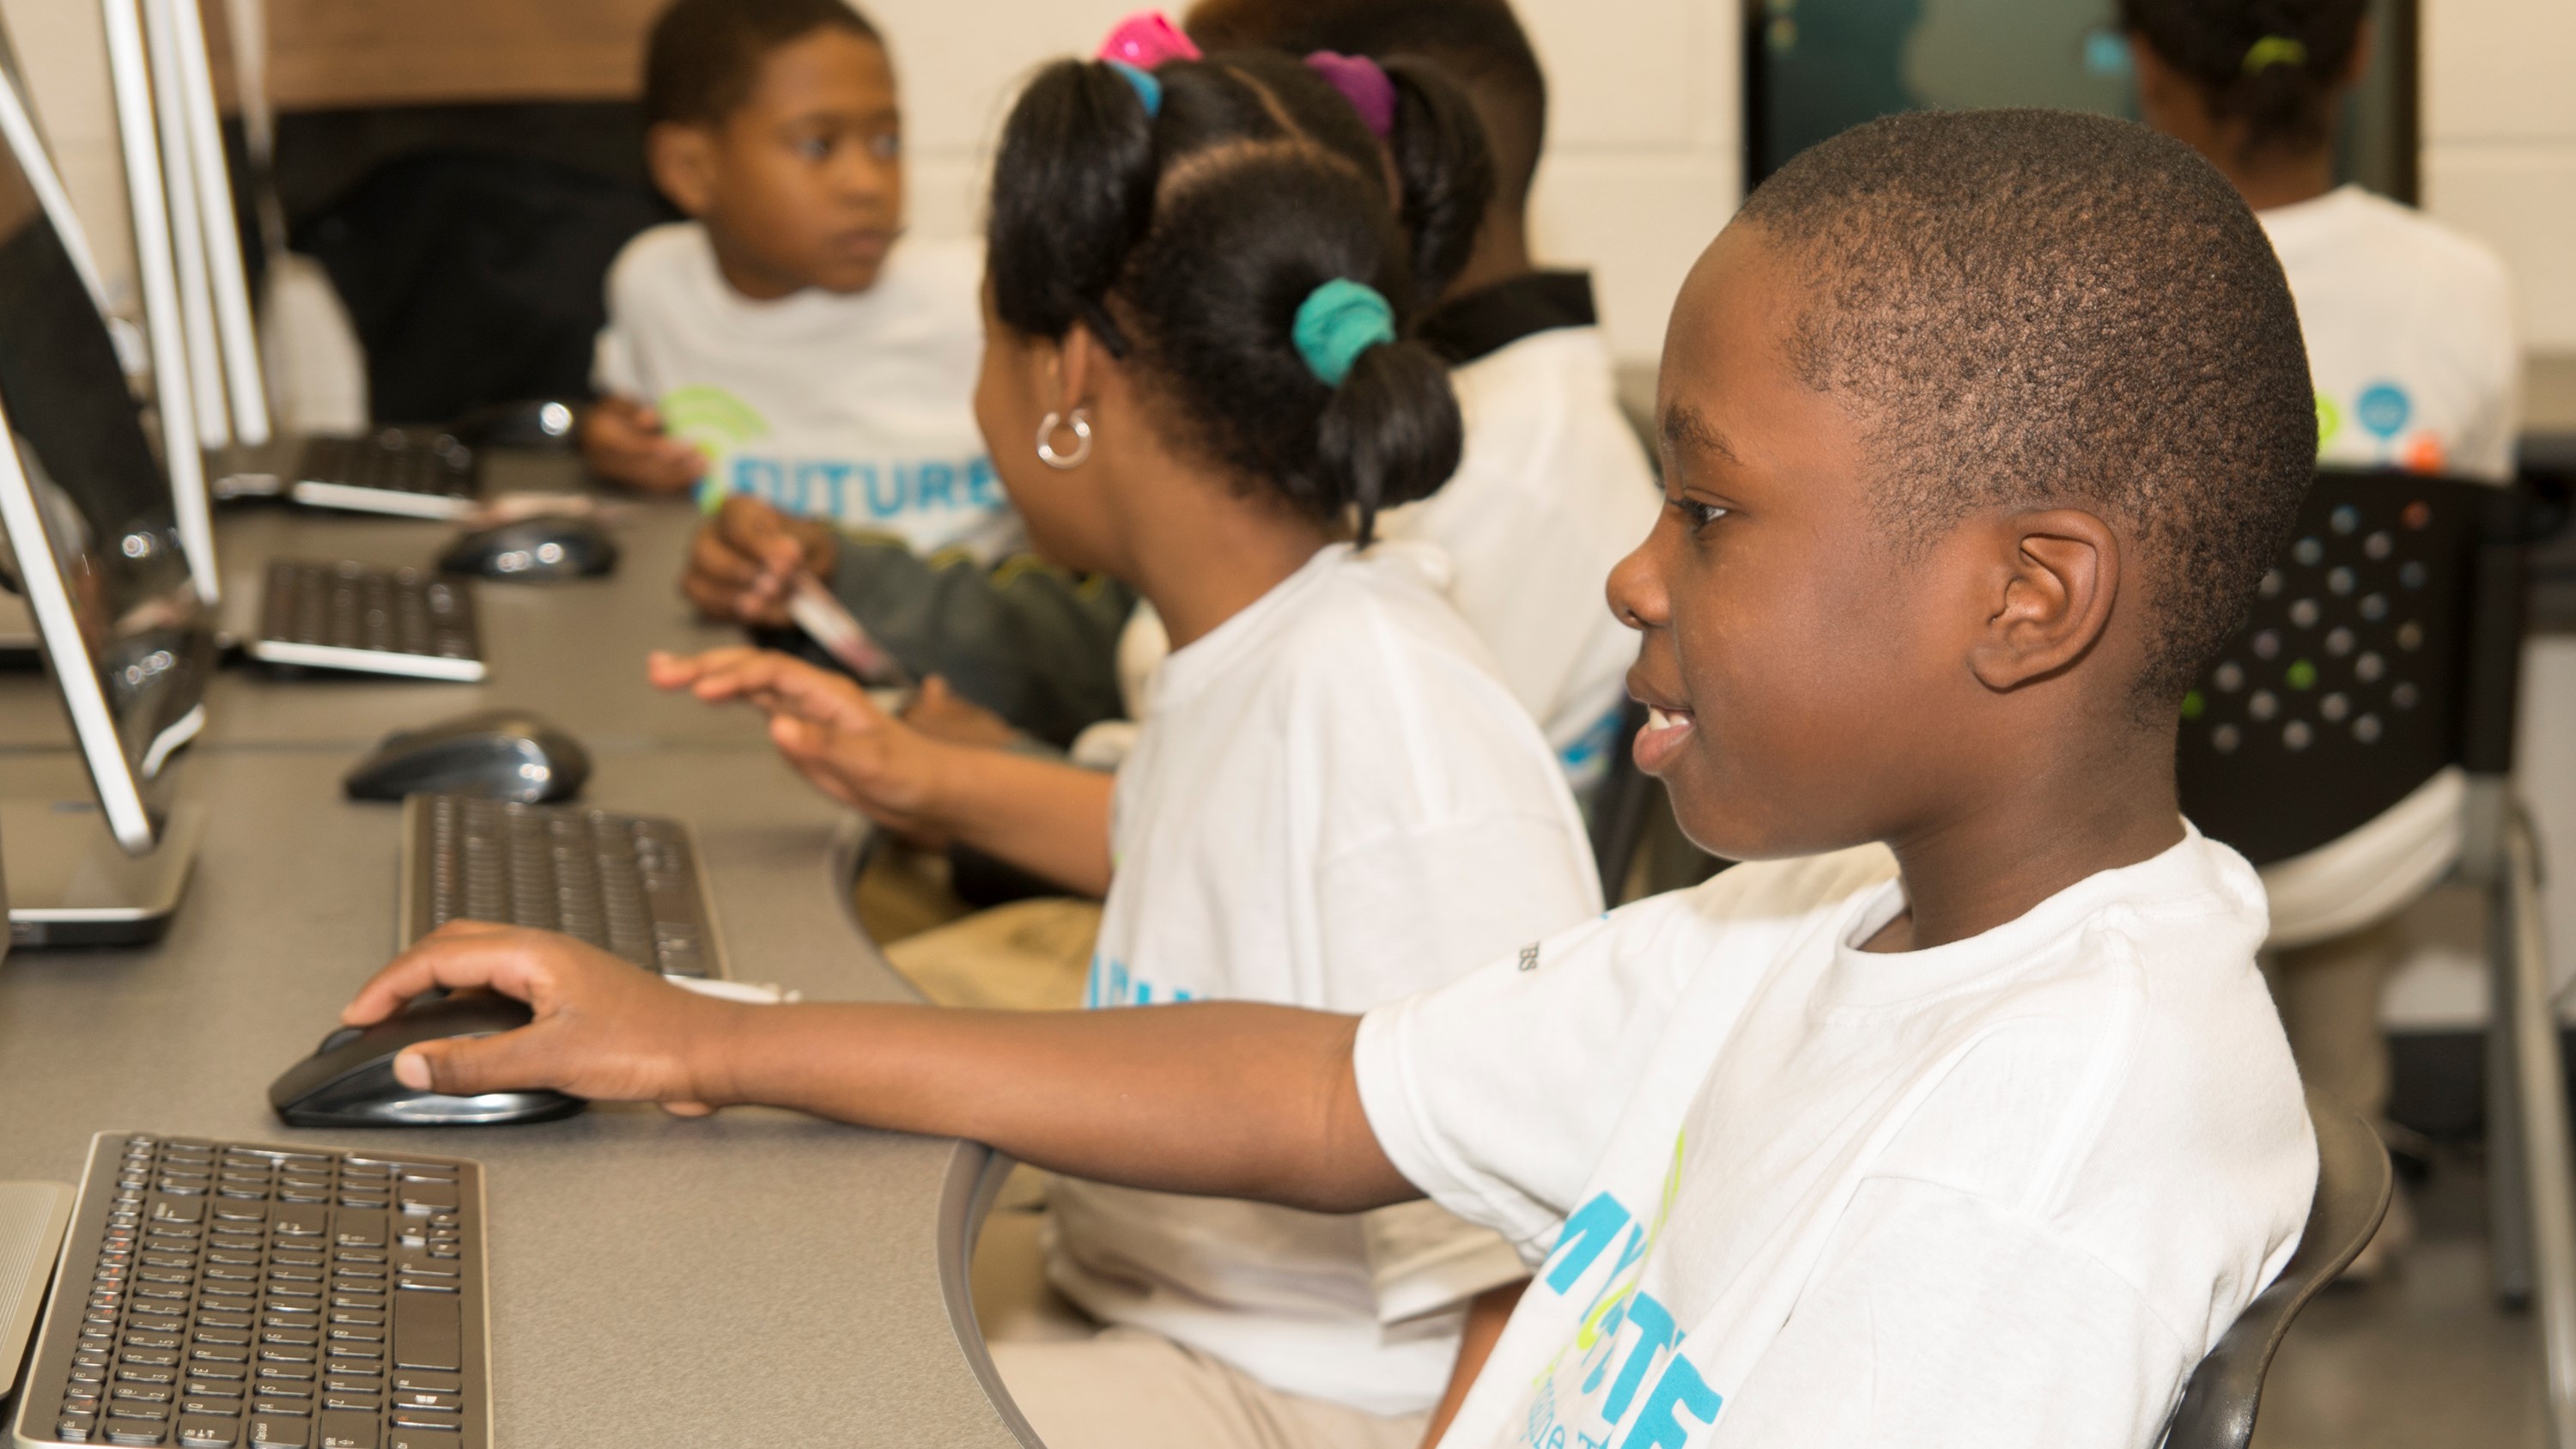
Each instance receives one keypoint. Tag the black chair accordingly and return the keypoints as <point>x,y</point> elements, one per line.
<point>1622,805</point>
<point>1635,839</point>
<point>2353,1183</point>
<point>2385,650</point>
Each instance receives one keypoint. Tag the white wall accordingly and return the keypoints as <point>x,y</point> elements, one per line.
<point>1642,169</point>
<point>2500,145</point>
<point>62,51</point>
<point>1644,165</point>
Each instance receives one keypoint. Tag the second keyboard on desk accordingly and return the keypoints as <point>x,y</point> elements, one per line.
<point>395,471</point>
<point>371,620</point>
<point>628,884</point>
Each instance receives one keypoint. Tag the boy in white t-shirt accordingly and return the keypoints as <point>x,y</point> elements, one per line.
<point>2410,337</point>
<point>786,343</point>
<point>1962,1119</point>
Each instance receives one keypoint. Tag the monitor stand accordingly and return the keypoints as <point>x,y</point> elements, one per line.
<point>71,885</point>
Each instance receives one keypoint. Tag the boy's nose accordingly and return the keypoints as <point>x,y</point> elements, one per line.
<point>1637,591</point>
<point>864,176</point>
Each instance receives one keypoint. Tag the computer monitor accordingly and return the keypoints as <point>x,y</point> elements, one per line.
<point>214,288</point>
<point>175,397</point>
<point>1814,68</point>
<point>92,527</point>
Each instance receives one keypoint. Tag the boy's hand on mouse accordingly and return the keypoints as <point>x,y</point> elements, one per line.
<point>829,730</point>
<point>622,441</point>
<point>746,557</point>
<point>603,1028</point>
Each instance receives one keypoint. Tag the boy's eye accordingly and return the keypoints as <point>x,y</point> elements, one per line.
<point>814,148</point>
<point>1700,515</point>
<point>886,147</point>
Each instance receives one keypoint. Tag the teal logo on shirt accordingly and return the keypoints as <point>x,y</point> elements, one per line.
<point>1628,1385</point>
<point>2383,408</point>
<point>1112,984</point>
<point>865,492</point>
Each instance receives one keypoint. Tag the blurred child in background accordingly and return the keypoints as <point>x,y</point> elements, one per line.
<point>787,343</point>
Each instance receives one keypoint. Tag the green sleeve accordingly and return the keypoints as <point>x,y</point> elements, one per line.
<point>1027,640</point>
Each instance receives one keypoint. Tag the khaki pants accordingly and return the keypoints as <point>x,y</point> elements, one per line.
<point>1086,1387</point>
<point>1127,1389</point>
<point>1026,956</point>
<point>2328,994</point>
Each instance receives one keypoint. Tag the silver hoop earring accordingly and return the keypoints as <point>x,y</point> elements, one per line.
<point>1080,422</point>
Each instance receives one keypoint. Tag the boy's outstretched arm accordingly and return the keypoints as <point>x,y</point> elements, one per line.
<point>1224,1099</point>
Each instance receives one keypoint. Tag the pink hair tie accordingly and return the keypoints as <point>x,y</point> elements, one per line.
<point>1363,84</point>
<point>1145,40</point>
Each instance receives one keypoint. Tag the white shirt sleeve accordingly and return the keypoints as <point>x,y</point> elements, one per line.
<point>612,366</point>
<point>1938,1319</point>
<point>1498,1094</point>
<point>1411,911</point>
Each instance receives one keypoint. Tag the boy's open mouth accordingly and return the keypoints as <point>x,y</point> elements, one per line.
<point>1663,737</point>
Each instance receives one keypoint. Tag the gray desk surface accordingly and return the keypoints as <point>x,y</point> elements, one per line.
<point>757,1277</point>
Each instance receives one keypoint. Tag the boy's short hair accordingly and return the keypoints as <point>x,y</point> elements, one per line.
<point>704,55</point>
<point>2027,308</point>
<point>1478,41</point>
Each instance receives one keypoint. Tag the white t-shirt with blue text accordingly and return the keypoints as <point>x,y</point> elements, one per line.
<point>1333,802</point>
<point>1998,1194</point>
<point>855,407</point>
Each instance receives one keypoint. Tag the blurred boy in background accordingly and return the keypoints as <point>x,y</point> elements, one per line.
<point>787,343</point>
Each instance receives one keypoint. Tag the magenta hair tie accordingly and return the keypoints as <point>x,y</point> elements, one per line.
<point>1363,84</point>
<point>1145,40</point>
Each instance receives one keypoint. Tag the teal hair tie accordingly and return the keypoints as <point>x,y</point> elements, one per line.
<point>1336,323</point>
<point>1148,89</point>
<point>2274,50</point>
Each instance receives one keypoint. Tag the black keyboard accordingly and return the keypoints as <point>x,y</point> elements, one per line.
<point>249,1297</point>
<point>628,884</point>
<point>379,621</point>
<point>423,476</point>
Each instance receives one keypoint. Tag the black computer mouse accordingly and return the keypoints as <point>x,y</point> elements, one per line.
<point>543,549</point>
<point>349,1079</point>
<point>501,754</point>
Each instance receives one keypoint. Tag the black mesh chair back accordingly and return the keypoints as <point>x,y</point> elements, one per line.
<point>2382,648</point>
<point>2353,1184</point>
<point>1623,804</point>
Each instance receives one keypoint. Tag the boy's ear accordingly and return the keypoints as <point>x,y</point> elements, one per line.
<point>683,163</point>
<point>2058,579</point>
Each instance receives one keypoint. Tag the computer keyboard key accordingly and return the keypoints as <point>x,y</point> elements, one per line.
<point>276,1431</point>
<point>426,1331</point>
<point>75,1428</point>
<point>207,1432</point>
<point>410,1437</point>
<point>340,1429</point>
<point>152,1386</point>
<point>359,1228</point>
<point>298,1220</point>
<point>419,1199</point>
<point>427,1381</point>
